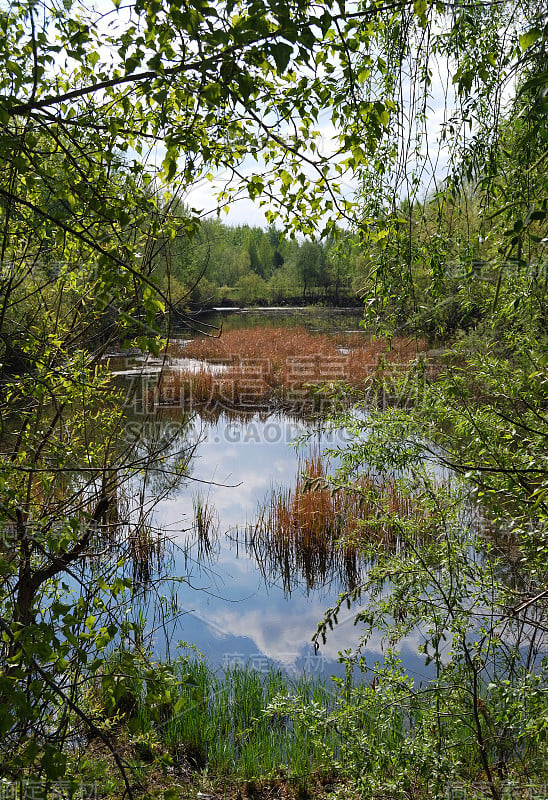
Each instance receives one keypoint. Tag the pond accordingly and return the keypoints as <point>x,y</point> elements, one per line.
<point>241,600</point>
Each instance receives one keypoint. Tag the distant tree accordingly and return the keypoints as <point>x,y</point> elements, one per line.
<point>254,260</point>
<point>308,265</point>
<point>251,288</point>
<point>274,236</point>
<point>277,259</point>
<point>266,257</point>
<point>284,284</point>
<point>340,267</point>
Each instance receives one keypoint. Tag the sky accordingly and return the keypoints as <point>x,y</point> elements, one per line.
<point>201,196</point>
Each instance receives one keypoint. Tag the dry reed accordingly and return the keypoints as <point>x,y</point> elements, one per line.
<point>284,365</point>
<point>146,550</point>
<point>322,533</point>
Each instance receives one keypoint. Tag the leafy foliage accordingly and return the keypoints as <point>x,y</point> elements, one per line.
<point>90,227</point>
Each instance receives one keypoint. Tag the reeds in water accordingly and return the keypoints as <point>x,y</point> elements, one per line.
<point>283,364</point>
<point>223,724</point>
<point>206,524</point>
<point>146,549</point>
<point>215,719</point>
<point>319,533</point>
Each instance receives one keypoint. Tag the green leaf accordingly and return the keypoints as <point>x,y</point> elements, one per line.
<point>529,38</point>
<point>170,166</point>
<point>6,720</point>
<point>282,52</point>
<point>131,64</point>
<point>54,763</point>
<point>14,68</point>
<point>285,178</point>
<point>420,8</point>
<point>539,80</point>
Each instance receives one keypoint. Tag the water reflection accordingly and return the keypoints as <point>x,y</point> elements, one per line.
<point>324,320</point>
<point>237,601</point>
<point>223,604</point>
<point>232,601</point>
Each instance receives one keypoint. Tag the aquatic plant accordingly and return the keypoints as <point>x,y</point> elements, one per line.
<point>322,531</point>
<point>206,524</point>
<point>218,721</point>
<point>279,365</point>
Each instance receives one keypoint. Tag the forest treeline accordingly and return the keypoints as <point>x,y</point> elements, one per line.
<point>244,265</point>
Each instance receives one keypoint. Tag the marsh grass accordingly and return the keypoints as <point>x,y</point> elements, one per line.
<point>279,345</point>
<point>224,724</point>
<point>282,365</point>
<point>216,721</point>
<point>206,524</point>
<point>147,550</point>
<point>324,532</point>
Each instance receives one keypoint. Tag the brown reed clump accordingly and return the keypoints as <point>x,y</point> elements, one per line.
<point>146,549</point>
<point>206,525</point>
<point>234,387</point>
<point>260,365</point>
<point>322,533</point>
<point>280,345</point>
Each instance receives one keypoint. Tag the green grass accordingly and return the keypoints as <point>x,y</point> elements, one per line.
<point>217,720</point>
<point>223,722</point>
<point>239,726</point>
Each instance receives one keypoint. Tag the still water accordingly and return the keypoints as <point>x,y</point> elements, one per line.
<point>234,605</point>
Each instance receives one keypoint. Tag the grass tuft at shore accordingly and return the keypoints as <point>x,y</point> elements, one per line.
<point>193,718</point>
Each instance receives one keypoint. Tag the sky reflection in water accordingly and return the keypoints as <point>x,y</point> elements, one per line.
<point>226,608</point>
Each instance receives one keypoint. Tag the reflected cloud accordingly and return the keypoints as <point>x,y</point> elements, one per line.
<point>227,611</point>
